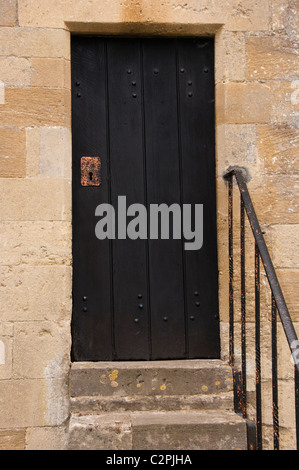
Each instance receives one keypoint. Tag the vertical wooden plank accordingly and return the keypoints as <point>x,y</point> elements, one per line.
<point>91,322</point>
<point>127,179</point>
<point>196,115</point>
<point>162,168</point>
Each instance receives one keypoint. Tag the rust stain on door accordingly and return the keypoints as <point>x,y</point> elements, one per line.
<point>90,171</point>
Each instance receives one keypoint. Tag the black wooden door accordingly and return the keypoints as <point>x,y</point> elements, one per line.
<point>143,114</point>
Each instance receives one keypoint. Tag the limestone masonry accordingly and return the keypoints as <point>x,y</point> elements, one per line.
<point>257,120</point>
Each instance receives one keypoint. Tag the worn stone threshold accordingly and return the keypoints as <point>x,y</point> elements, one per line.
<point>168,364</point>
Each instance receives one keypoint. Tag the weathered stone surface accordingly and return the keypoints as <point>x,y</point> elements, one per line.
<point>55,152</point>
<point>6,329</point>
<point>34,42</point>
<point>285,241</point>
<point>35,199</point>
<point>179,430</point>
<point>258,108</point>
<point>46,438</point>
<point>230,58</point>
<point>12,439</point>
<point>285,397</point>
<point>237,15</point>
<point>285,362</point>
<point>56,398</point>
<point>135,412</point>
<point>243,103</point>
<point>2,92</point>
<point>287,438</point>
<point>41,349</point>
<point>284,17</point>
<point>187,430</point>
<point>36,107</point>
<point>91,405</point>
<point>6,349</point>
<point>250,294</point>
<point>32,151</point>
<point>285,102</point>
<point>271,58</point>
<point>38,243</point>
<point>8,12</point>
<point>12,153</point>
<point>276,200</point>
<point>22,403</point>
<point>33,402</point>
<point>15,71</point>
<point>37,14</point>
<point>48,152</point>
<point>53,73</point>
<point>266,360</point>
<point>289,281</point>
<point>35,293</point>
<point>146,378</point>
<point>278,147</point>
<point>236,144</point>
<point>112,431</point>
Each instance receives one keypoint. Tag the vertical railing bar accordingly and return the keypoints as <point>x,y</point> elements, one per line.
<point>257,351</point>
<point>274,376</point>
<point>296,380</point>
<point>231,271</point>
<point>243,306</point>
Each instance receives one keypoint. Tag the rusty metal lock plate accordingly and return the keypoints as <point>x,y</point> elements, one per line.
<point>90,171</point>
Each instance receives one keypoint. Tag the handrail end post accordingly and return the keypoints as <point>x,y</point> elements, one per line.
<point>232,170</point>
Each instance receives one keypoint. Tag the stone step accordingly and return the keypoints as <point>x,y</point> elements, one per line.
<point>99,404</point>
<point>168,430</point>
<point>159,405</point>
<point>150,378</point>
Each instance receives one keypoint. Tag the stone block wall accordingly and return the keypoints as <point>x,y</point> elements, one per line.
<point>257,120</point>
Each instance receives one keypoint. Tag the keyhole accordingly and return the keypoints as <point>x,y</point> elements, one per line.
<point>90,175</point>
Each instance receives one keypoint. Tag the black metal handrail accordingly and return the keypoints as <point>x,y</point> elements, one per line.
<point>277,304</point>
